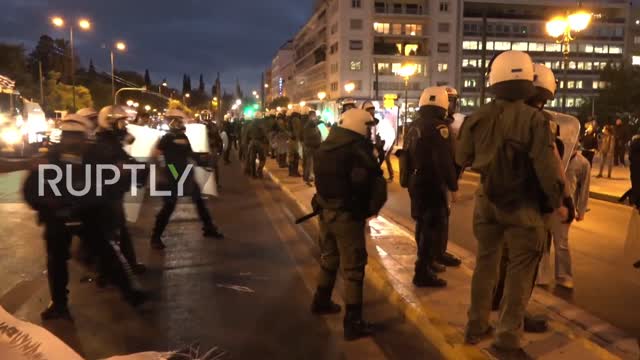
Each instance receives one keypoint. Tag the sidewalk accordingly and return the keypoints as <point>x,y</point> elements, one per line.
<point>614,188</point>
<point>440,314</point>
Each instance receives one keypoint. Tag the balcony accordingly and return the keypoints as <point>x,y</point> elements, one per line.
<point>410,9</point>
<point>400,49</point>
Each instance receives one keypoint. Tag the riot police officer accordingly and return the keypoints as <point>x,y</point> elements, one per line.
<point>258,144</point>
<point>216,147</point>
<point>60,214</point>
<point>510,144</point>
<point>433,175</point>
<point>378,143</point>
<point>107,149</point>
<point>281,139</point>
<point>350,189</point>
<point>311,142</point>
<point>347,104</point>
<point>293,149</point>
<point>177,152</point>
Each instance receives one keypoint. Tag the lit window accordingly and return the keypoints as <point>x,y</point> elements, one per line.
<point>334,86</point>
<point>410,49</point>
<point>615,50</point>
<point>635,60</point>
<point>588,48</point>
<point>384,68</point>
<point>601,49</point>
<point>396,29</point>
<point>413,29</point>
<point>547,64</point>
<point>535,46</point>
<point>470,45</point>
<point>580,65</point>
<point>489,45</point>
<point>553,47</point>
<point>395,67</point>
<point>579,102</point>
<point>502,45</point>
<point>588,65</point>
<point>381,28</point>
<point>470,83</point>
<point>572,65</point>
<point>355,65</point>
<point>570,102</point>
<point>443,67</point>
<point>571,84</point>
<point>519,46</point>
<point>578,84</point>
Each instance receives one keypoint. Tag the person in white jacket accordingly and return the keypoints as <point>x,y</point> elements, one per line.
<point>578,176</point>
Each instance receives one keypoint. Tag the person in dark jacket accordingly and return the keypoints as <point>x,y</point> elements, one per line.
<point>293,128</point>
<point>378,143</point>
<point>622,135</point>
<point>216,147</point>
<point>176,149</point>
<point>348,181</point>
<point>311,142</point>
<point>433,176</point>
<point>258,145</point>
<point>589,143</point>
<point>634,164</point>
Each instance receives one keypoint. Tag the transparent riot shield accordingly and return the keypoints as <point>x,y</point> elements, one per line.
<point>324,131</point>
<point>569,133</point>
<point>458,119</point>
<point>387,133</point>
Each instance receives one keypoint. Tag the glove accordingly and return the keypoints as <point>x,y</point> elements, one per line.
<point>568,203</point>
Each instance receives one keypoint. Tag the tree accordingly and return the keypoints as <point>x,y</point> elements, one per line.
<point>620,99</point>
<point>147,79</point>
<point>186,84</point>
<point>281,101</point>
<point>239,94</point>
<point>13,64</point>
<point>60,95</point>
<point>201,86</point>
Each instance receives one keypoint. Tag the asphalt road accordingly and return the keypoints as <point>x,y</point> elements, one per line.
<point>605,283</point>
<point>248,294</point>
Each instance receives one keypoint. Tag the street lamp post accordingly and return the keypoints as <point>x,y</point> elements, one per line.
<point>562,28</point>
<point>406,71</point>
<point>84,24</point>
<point>121,46</point>
<point>349,87</point>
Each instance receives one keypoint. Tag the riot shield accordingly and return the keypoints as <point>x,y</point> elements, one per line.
<point>324,130</point>
<point>197,134</point>
<point>387,133</point>
<point>458,119</point>
<point>569,134</point>
<point>146,140</point>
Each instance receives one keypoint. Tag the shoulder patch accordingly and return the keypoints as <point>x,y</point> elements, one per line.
<point>444,131</point>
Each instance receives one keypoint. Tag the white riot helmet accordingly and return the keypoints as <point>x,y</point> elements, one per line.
<point>545,81</point>
<point>368,105</point>
<point>435,96</point>
<point>356,120</point>
<point>91,114</point>
<point>452,94</point>
<point>176,118</point>
<point>75,123</point>
<point>111,117</point>
<point>348,104</point>
<point>511,75</point>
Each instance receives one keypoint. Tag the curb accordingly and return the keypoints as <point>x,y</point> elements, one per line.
<point>433,329</point>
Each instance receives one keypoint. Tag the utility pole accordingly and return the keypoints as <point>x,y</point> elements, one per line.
<point>377,85</point>
<point>262,90</point>
<point>219,95</point>
<point>73,68</point>
<point>483,58</point>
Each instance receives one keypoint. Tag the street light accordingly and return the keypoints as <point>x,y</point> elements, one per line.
<point>406,71</point>
<point>136,105</point>
<point>349,87</point>
<point>120,46</point>
<point>322,95</point>
<point>147,107</point>
<point>238,102</point>
<point>562,29</point>
<point>84,24</point>
<point>129,103</point>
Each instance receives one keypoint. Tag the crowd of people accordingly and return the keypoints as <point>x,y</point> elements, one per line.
<point>527,199</point>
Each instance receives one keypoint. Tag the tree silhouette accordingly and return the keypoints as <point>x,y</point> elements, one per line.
<point>147,79</point>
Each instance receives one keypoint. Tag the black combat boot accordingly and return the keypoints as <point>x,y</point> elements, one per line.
<point>211,231</point>
<point>354,327</point>
<point>156,241</point>
<point>450,260</point>
<point>322,304</point>
<point>425,277</point>
<point>56,311</point>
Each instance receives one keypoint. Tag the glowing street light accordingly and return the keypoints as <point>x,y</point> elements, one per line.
<point>136,105</point>
<point>238,102</point>
<point>266,86</point>
<point>290,106</point>
<point>349,87</point>
<point>407,71</point>
<point>120,46</point>
<point>303,103</point>
<point>187,95</point>
<point>129,103</point>
<point>84,24</point>
<point>147,107</point>
<point>562,29</point>
<point>322,95</point>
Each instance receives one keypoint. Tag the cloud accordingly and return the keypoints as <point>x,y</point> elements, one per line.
<point>169,37</point>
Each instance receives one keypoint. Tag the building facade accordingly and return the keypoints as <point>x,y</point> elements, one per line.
<point>521,25</point>
<point>366,42</point>
<point>282,72</point>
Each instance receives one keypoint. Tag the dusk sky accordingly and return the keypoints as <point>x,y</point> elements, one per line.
<point>169,37</point>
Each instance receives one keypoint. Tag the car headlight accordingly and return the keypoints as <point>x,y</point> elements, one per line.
<point>11,136</point>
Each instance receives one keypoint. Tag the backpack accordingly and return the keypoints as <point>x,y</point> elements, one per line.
<point>510,179</point>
